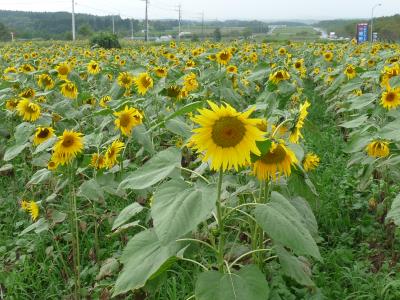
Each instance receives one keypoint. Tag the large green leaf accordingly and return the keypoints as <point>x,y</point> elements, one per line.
<point>40,176</point>
<point>127,213</point>
<point>178,208</point>
<point>153,171</point>
<point>391,131</point>
<point>394,212</point>
<point>143,256</point>
<point>247,284</point>
<point>355,122</point>
<point>179,127</point>
<point>91,190</point>
<point>14,151</point>
<point>294,267</point>
<point>283,223</point>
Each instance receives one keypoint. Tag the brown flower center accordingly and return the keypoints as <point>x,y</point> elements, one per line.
<point>124,120</point>
<point>276,156</point>
<point>68,141</point>
<point>44,133</point>
<point>228,132</point>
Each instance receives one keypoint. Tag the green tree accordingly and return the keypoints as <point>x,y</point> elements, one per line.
<point>4,33</point>
<point>85,30</point>
<point>217,34</point>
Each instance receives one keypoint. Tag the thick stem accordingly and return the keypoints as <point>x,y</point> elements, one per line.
<point>220,223</point>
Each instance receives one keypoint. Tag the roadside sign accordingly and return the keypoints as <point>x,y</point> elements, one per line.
<point>362,33</point>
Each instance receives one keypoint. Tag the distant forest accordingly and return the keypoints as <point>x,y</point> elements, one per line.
<point>388,28</point>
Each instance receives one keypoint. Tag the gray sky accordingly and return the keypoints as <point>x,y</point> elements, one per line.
<point>217,9</point>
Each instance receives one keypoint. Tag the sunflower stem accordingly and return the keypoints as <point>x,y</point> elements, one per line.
<point>220,223</point>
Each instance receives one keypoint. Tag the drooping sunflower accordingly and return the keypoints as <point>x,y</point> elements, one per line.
<point>69,90</point>
<point>127,119</point>
<point>224,56</point>
<point>295,132</point>
<point>98,161</point>
<point>104,100</point>
<point>310,162</point>
<point>63,69</point>
<point>45,81</point>
<point>125,80</point>
<point>143,83</point>
<point>391,98</point>
<point>350,72</point>
<point>190,82</point>
<point>279,76</point>
<point>28,110</point>
<point>112,152</point>
<point>11,104</point>
<point>68,146</point>
<point>42,134</point>
<point>277,162</point>
<point>93,67</point>
<point>28,93</point>
<point>378,148</point>
<point>161,71</point>
<point>31,207</point>
<point>27,68</point>
<point>173,91</point>
<point>225,136</point>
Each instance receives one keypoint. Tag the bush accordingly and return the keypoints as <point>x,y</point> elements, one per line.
<point>105,40</point>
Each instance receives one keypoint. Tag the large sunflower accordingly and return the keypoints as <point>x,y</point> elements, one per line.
<point>391,98</point>
<point>98,161</point>
<point>127,119</point>
<point>93,67</point>
<point>63,69</point>
<point>68,146</point>
<point>226,137</point>
<point>28,110</point>
<point>378,148</point>
<point>275,163</point>
<point>223,57</point>
<point>125,80</point>
<point>42,134</point>
<point>69,90</point>
<point>45,81</point>
<point>143,83</point>
<point>112,153</point>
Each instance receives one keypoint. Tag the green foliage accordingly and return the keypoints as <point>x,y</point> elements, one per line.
<point>4,33</point>
<point>105,40</point>
<point>217,34</point>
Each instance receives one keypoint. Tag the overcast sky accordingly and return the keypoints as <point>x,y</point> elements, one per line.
<point>217,9</point>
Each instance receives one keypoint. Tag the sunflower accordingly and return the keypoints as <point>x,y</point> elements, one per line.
<point>104,101</point>
<point>226,136</point>
<point>279,76</point>
<point>276,162</point>
<point>143,82</point>
<point>161,72</point>
<point>310,162</point>
<point>295,132</point>
<point>42,134</point>
<point>328,56</point>
<point>223,57</point>
<point>45,81</point>
<point>27,68</point>
<point>190,82</point>
<point>52,165</point>
<point>391,98</point>
<point>127,119</point>
<point>232,69</point>
<point>350,72</point>
<point>69,90</point>
<point>98,161</point>
<point>31,207</point>
<point>28,93</point>
<point>173,91</point>
<point>69,145</point>
<point>282,51</point>
<point>28,110</point>
<point>378,148</point>
<point>11,104</point>
<point>112,153</point>
<point>93,67</point>
<point>125,80</point>
<point>63,69</point>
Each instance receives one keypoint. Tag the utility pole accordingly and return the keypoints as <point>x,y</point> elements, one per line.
<point>131,29</point>
<point>179,22</point>
<point>73,20</point>
<point>113,24</point>
<point>372,21</point>
<point>202,25</point>
<point>146,37</point>
<point>12,36</point>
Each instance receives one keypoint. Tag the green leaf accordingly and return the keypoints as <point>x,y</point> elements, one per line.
<point>357,143</point>
<point>23,132</point>
<point>39,226</point>
<point>394,212</point>
<point>91,190</point>
<point>156,169</point>
<point>294,267</point>
<point>247,284</point>
<point>391,131</point>
<point>127,213</point>
<point>45,145</point>
<point>141,135</point>
<point>282,222</point>
<point>355,122</point>
<point>178,127</point>
<point>186,109</point>
<point>308,218</point>
<point>178,208</point>
<point>142,257</point>
<point>40,176</point>
<point>109,267</point>
<point>362,101</point>
<point>14,151</point>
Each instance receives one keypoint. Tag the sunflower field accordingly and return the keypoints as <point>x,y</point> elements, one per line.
<point>209,171</point>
